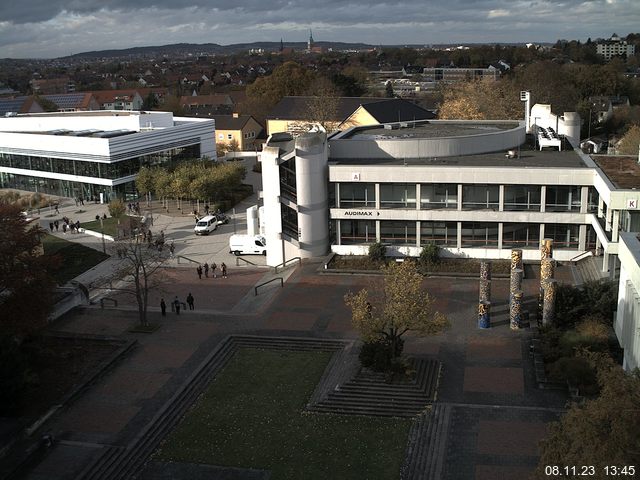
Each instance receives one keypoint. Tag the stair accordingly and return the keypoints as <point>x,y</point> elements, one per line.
<point>427,444</point>
<point>368,393</point>
<point>587,269</point>
<point>116,463</point>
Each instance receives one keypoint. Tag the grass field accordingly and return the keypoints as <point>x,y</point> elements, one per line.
<point>110,225</point>
<point>74,258</point>
<point>251,416</point>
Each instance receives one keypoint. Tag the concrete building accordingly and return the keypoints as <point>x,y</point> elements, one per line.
<point>475,188</point>
<point>95,154</point>
<point>627,322</point>
<point>615,47</point>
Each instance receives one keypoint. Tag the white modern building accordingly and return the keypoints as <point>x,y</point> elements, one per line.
<point>627,322</point>
<point>95,154</point>
<point>475,188</point>
<point>614,47</point>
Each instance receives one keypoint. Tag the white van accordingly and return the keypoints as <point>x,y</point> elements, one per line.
<point>206,225</point>
<point>247,244</point>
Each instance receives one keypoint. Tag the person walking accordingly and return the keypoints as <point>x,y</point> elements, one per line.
<point>51,226</point>
<point>206,269</point>
<point>57,211</point>
<point>172,249</point>
<point>213,269</point>
<point>163,307</point>
<point>223,267</point>
<point>190,301</point>
<point>176,302</point>
<point>199,270</point>
<point>56,224</point>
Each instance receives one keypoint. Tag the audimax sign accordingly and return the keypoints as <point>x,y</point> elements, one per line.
<point>361,213</point>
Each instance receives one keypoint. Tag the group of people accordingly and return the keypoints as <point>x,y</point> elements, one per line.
<point>134,208</point>
<point>67,224</point>
<point>176,305</point>
<point>200,269</point>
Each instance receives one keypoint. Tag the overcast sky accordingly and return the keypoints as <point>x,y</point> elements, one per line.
<point>53,28</point>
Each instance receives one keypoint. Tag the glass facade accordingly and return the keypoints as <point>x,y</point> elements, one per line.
<point>522,198</point>
<point>480,197</point>
<point>398,232</point>
<point>479,234</point>
<point>563,235</point>
<point>562,198</point>
<point>397,195</point>
<point>357,231</point>
<point>520,235</point>
<point>290,221</point>
<point>357,195</point>
<point>444,234</point>
<point>288,179</point>
<point>435,196</point>
<point>111,171</point>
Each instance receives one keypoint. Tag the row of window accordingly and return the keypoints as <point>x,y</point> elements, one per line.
<point>474,197</point>
<point>473,234</point>
<point>112,171</point>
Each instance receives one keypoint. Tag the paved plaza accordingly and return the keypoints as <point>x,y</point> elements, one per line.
<point>497,413</point>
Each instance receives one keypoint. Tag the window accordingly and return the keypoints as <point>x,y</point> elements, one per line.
<point>563,235</point>
<point>479,234</point>
<point>357,231</point>
<point>480,197</point>
<point>357,195</point>
<point>288,186</point>
<point>289,221</point>
<point>398,232</point>
<point>562,198</point>
<point>437,196</point>
<point>522,197</point>
<point>439,233</point>
<point>397,195</point>
<point>520,235</point>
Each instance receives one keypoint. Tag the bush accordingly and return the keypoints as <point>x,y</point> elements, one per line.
<point>377,252</point>
<point>577,371</point>
<point>430,254</point>
<point>116,208</point>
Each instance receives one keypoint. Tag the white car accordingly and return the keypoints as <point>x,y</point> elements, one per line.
<point>206,225</point>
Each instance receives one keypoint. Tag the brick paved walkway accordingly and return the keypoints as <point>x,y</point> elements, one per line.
<point>498,414</point>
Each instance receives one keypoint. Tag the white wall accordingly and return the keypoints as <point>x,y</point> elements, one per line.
<point>627,322</point>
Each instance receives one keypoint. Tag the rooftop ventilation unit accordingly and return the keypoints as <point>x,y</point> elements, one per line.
<point>391,126</point>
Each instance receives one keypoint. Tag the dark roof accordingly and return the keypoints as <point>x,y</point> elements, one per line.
<point>229,122</point>
<point>383,109</point>
<point>398,110</point>
<point>12,105</point>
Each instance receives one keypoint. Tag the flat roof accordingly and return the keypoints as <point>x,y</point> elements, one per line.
<point>623,171</point>
<point>528,158</point>
<point>429,129</point>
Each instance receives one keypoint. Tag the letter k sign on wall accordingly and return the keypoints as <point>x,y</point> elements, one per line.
<point>632,203</point>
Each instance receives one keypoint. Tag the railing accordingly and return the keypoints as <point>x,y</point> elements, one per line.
<point>187,258</point>
<point>255,289</point>
<point>284,264</point>
<point>579,257</point>
<point>245,261</point>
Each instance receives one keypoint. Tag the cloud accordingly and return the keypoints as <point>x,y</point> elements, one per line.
<point>39,28</point>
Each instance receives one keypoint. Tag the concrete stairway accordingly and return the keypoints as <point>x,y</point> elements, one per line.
<point>427,443</point>
<point>587,269</point>
<point>368,393</point>
<point>117,463</point>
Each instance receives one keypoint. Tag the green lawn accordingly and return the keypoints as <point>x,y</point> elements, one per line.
<point>110,225</point>
<point>251,417</point>
<point>74,258</point>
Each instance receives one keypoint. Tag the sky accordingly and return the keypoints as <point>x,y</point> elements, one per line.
<point>54,28</point>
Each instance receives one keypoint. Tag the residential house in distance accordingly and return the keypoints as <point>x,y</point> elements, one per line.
<point>71,102</point>
<point>119,99</point>
<point>243,129</point>
<point>294,114</point>
<point>615,47</point>
<point>207,105</point>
